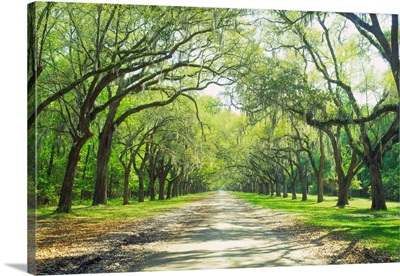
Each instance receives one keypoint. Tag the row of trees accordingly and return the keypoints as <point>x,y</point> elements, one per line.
<point>295,158</point>
<point>115,106</point>
<point>339,75</point>
<point>103,88</point>
<point>93,67</point>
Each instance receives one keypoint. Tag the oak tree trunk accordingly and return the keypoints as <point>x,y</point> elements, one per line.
<point>152,177</point>
<point>141,187</point>
<point>260,188</point>
<point>51,161</point>
<point>169,189</point>
<point>103,157</point>
<point>320,187</point>
<point>126,186</point>
<point>378,196</point>
<point>161,192</point>
<point>285,190</point>
<point>267,188</point>
<point>65,201</point>
<point>293,187</point>
<point>303,181</point>
<point>174,188</point>
<point>272,190</point>
<point>372,158</point>
<point>344,179</point>
<point>343,194</point>
<point>320,172</point>
<point>278,188</point>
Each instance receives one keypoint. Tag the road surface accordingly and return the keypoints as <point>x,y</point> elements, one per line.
<point>217,231</point>
<point>227,232</point>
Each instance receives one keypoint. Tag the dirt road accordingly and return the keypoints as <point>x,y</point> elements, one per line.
<point>229,233</point>
<point>218,231</point>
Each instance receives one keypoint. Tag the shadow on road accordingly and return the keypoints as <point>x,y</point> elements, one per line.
<point>225,233</point>
<point>220,231</point>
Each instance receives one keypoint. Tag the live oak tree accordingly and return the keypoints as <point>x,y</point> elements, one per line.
<point>387,44</point>
<point>317,160</point>
<point>40,24</point>
<point>190,67</point>
<point>335,65</point>
<point>114,92</point>
<point>118,51</point>
<point>141,155</point>
<point>322,93</point>
<point>304,136</point>
<point>158,140</point>
<point>127,138</point>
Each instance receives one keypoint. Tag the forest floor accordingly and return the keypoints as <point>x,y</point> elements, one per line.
<point>217,231</point>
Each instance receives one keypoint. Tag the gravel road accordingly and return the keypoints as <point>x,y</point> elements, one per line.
<point>217,231</point>
<point>227,232</point>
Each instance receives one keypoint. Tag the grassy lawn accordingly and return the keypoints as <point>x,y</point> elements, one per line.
<point>379,230</point>
<point>63,235</point>
<point>114,210</point>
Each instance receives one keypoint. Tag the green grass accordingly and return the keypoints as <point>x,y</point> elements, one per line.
<point>378,230</point>
<point>114,210</point>
<point>356,222</point>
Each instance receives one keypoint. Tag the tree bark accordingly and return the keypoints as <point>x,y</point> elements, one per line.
<point>152,190</point>
<point>304,188</point>
<point>285,190</point>
<point>277,189</point>
<point>163,170</point>
<point>103,156</point>
<point>86,163</point>
<point>378,196</point>
<point>140,171</point>
<point>65,201</point>
<point>292,177</point>
<point>151,170</point>
<point>172,183</point>
<point>181,186</point>
<point>141,187</point>
<point>272,189</point>
<point>126,186</point>
<point>260,188</point>
<point>293,187</point>
<point>51,160</point>
<point>293,181</point>
<point>320,187</point>
<point>169,189</point>
<point>344,180</point>
<point>373,157</point>
<point>175,188</point>
<point>343,191</point>
<point>161,182</point>
<point>320,171</point>
<point>267,188</point>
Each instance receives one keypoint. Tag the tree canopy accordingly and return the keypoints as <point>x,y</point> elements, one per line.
<point>118,104</point>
